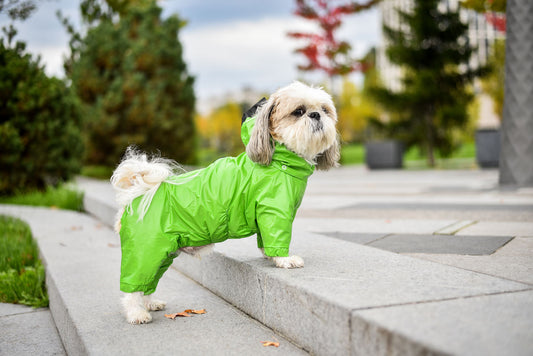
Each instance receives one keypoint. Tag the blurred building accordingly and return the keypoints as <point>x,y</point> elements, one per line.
<point>481,35</point>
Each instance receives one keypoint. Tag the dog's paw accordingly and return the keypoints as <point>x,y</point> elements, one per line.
<point>288,262</point>
<point>138,316</point>
<point>154,304</point>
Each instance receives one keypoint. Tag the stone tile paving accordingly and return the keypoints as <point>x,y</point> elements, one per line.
<point>513,261</point>
<point>450,244</point>
<point>440,244</point>
<point>28,331</point>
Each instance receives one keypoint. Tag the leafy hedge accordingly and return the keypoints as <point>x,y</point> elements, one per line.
<point>40,136</point>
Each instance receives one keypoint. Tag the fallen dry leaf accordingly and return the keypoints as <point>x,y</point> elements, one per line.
<point>201,311</point>
<point>270,343</point>
<point>175,315</point>
<point>185,313</point>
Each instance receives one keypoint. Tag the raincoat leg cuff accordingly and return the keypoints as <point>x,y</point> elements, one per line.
<point>132,288</point>
<point>276,252</point>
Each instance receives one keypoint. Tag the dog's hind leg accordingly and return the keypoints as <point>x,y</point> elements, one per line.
<point>134,307</point>
<point>198,251</point>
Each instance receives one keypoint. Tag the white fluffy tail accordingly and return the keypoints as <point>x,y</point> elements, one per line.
<point>139,175</point>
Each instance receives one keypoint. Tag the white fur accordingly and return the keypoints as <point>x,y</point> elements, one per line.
<point>288,262</point>
<point>300,136</point>
<point>314,140</point>
<point>135,309</point>
<point>285,262</point>
<point>198,251</point>
<point>139,175</point>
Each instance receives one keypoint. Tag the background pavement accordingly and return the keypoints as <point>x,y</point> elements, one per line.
<point>490,229</point>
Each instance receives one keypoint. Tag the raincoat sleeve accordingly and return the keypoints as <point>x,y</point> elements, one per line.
<point>275,230</point>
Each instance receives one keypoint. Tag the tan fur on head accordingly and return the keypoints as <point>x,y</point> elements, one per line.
<point>302,118</point>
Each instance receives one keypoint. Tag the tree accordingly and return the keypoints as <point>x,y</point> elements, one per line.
<point>355,106</point>
<point>324,52</point>
<point>221,130</point>
<point>18,9</point>
<point>40,139</point>
<point>516,156</point>
<point>494,11</point>
<point>433,53</point>
<point>493,84</point>
<point>129,73</point>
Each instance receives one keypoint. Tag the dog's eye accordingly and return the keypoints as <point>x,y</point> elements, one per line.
<point>299,112</point>
<point>325,110</point>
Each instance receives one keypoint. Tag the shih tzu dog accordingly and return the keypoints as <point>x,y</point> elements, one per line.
<point>164,213</point>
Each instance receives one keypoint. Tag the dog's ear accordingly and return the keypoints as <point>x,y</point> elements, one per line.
<point>329,158</point>
<point>261,148</point>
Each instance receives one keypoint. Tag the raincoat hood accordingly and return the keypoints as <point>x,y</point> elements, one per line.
<point>283,158</point>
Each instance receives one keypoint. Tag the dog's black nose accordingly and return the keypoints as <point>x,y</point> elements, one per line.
<point>314,115</point>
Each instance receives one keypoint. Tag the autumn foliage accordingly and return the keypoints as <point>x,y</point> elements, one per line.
<point>220,131</point>
<point>324,51</point>
<point>494,11</point>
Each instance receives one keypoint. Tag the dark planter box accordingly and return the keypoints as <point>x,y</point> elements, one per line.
<point>384,154</point>
<point>488,148</point>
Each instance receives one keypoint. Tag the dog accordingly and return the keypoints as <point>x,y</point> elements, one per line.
<point>257,193</point>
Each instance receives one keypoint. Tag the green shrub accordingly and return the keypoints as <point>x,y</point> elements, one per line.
<point>40,139</point>
<point>22,276</point>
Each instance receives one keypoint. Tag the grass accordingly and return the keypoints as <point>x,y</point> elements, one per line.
<point>21,272</point>
<point>353,154</point>
<point>62,197</point>
<point>463,158</point>
<point>98,172</point>
<point>22,276</point>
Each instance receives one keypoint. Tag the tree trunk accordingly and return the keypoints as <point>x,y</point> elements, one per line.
<point>430,140</point>
<point>516,157</point>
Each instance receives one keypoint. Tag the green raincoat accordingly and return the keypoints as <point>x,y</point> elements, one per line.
<point>232,198</point>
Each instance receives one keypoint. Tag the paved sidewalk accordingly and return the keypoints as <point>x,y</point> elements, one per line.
<point>490,230</point>
<point>28,331</point>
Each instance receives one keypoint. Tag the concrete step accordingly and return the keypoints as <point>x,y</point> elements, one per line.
<point>82,259</point>
<point>358,300</point>
<point>28,331</point>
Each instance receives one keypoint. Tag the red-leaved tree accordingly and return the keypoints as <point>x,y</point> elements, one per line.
<point>494,11</point>
<point>324,51</point>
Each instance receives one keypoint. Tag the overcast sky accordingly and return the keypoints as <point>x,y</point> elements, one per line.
<point>227,44</point>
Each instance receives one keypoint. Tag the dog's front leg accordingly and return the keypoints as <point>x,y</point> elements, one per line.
<point>135,308</point>
<point>285,262</point>
<point>288,262</point>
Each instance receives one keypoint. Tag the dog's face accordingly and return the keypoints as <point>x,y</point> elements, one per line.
<point>303,119</point>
